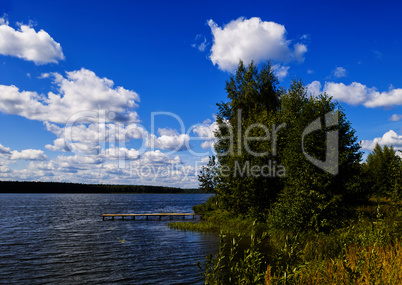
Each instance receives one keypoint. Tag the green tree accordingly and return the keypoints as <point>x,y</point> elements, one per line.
<point>263,126</point>
<point>383,167</point>
<point>254,99</point>
<point>208,176</point>
<point>315,197</point>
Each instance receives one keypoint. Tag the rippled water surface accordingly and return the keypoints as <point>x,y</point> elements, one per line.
<point>61,238</point>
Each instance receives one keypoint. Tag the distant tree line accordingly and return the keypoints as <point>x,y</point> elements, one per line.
<point>59,187</point>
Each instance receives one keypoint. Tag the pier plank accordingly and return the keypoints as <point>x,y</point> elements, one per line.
<point>146,215</point>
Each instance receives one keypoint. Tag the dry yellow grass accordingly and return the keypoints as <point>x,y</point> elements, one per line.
<point>370,265</point>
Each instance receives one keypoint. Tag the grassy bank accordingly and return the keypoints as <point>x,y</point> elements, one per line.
<point>216,220</point>
<point>219,221</point>
<point>367,249</point>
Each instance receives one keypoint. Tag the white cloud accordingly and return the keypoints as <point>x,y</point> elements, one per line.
<point>252,39</point>
<point>314,88</point>
<point>122,153</point>
<point>390,138</point>
<point>158,157</point>
<point>395,118</point>
<point>4,169</point>
<point>280,71</point>
<point>209,144</point>
<point>149,168</point>
<point>205,159</point>
<point>68,164</point>
<point>4,150</point>
<point>354,94</point>
<point>26,154</point>
<point>206,131</point>
<point>358,94</point>
<point>167,132</point>
<point>170,141</point>
<point>81,93</point>
<point>92,138</point>
<point>339,72</point>
<point>28,44</point>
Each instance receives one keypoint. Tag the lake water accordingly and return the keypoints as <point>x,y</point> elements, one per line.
<point>61,239</point>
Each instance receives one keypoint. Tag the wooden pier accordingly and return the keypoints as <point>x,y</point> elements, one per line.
<point>160,215</point>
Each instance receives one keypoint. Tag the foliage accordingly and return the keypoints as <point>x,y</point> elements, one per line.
<point>263,127</point>
<point>313,198</point>
<point>254,99</point>
<point>208,176</point>
<point>384,171</point>
<point>367,250</point>
<point>318,221</point>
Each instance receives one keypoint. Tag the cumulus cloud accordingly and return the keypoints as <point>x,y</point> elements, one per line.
<point>67,164</point>
<point>80,95</point>
<point>93,138</point>
<point>358,94</point>
<point>4,150</point>
<point>27,44</point>
<point>121,153</point>
<point>390,138</point>
<point>206,131</point>
<point>4,169</point>
<point>280,71</point>
<point>158,157</point>
<point>339,72</point>
<point>26,154</point>
<point>252,39</point>
<point>168,141</point>
<point>395,118</point>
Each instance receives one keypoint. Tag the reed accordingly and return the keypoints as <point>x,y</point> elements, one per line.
<point>367,250</point>
<point>358,265</point>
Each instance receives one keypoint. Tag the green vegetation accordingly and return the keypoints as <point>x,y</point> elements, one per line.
<point>289,180</point>
<point>383,171</point>
<point>263,168</point>
<point>365,249</point>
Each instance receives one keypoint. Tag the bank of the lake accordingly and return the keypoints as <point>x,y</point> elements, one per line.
<point>367,249</point>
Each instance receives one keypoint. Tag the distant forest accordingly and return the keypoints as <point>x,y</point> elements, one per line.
<point>59,187</point>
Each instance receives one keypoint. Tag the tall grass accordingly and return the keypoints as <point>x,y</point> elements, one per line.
<point>358,265</point>
<point>220,221</point>
<point>367,250</point>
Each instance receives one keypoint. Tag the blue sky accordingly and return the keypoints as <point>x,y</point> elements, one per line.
<point>109,67</point>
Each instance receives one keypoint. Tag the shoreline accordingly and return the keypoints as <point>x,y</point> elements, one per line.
<point>14,187</point>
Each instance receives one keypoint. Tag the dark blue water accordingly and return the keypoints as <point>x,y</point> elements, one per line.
<point>61,239</point>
